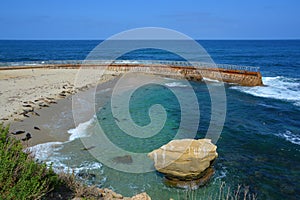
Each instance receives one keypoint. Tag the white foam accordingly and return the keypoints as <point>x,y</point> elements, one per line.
<point>31,64</point>
<point>175,84</point>
<point>49,153</point>
<point>58,166</point>
<point>104,90</point>
<point>85,166</point>
<point>169,79</point>
<point>289,136</point>
<point>45,150</point>
<point>221,174</point>
<point>81,130</point>
<point>279,87</point>
<point>211,80</point>
<point>126,62</point>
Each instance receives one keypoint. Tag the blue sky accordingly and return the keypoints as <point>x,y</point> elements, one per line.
<point>202,19</point>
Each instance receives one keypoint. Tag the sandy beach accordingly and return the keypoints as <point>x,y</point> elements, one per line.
<point>39,101</point>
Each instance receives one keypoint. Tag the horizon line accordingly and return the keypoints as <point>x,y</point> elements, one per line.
<point>95,39</point>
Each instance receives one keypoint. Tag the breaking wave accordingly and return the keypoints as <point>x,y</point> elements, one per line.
<point>279,87</point>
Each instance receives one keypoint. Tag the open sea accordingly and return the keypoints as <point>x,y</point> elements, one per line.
<point>259,145</point>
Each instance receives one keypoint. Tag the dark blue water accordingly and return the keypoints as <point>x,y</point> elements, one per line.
<point>260,143</point>
<point>271,55</point>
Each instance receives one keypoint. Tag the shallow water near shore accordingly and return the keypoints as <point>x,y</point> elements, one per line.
<point>259,146</point>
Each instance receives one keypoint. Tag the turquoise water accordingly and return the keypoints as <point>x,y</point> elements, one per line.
<point>128,184</point>
<point>254,147</point>
<point>260,141</point>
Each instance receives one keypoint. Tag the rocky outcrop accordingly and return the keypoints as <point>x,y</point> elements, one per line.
<point>186,162</point>
<point>107,194</point>
<point>141,196</point>
<point>111,195</point>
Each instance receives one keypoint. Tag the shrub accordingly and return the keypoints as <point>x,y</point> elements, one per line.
<point>20,176</point>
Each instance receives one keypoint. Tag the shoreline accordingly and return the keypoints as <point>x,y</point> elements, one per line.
<point>59,112</point>
<point>33,99</point>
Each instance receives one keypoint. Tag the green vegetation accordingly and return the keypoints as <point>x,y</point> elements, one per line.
<point>224,193</point>
<point>20,176</point>
<point>23,178</point>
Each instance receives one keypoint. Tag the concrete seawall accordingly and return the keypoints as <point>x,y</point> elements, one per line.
<point>240,77</point>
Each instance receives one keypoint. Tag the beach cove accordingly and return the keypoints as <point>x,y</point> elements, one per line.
<point>260,131</point>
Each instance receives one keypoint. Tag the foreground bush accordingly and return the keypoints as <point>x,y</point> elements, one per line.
<point>20,176</point>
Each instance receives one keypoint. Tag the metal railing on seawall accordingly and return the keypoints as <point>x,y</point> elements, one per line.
<point>196,64</point>
<point>188,64</point>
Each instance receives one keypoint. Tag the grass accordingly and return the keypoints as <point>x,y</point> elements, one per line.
<point>223,193</point>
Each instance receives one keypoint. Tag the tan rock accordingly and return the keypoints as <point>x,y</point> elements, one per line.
<point>191,184</point>
<point>111,195</point>
<point>142,196</point>
<point>184,159</point>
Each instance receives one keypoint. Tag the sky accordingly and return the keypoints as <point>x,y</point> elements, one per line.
<point>199,19</point>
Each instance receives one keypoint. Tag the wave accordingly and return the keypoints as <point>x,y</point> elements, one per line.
<point>169,79</point>
<point>289,136</point>
<point>81,130</point>
<point>126,62</point>
<point>221,174</point>
<point>175,84</point>
<point>86,165</point>
<point>279,87</point>
<point>211,80</point>
<point>49,153</point>
<point>45,150</point>
<point>59,166</point>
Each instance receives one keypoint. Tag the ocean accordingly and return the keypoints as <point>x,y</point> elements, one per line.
<point>259,146</point>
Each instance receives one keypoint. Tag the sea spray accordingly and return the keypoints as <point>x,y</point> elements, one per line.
<point>279,87</point>
<point>80,130</point>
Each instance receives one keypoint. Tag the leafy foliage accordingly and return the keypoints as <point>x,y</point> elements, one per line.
<point>20,176</point>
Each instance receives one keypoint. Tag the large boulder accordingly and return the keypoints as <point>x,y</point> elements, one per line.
<point>185,160</point>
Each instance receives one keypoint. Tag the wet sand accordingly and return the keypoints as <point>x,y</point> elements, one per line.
<point>39,101</point>
<point>54,121</point>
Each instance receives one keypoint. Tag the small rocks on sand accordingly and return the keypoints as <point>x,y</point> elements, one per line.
<point>37,128</point>
<point>50,98</point>
<point>88,148</point>
<point>35,113</point>
<point>43,105</point>
<point>50,101</point>
<point>27,137</point>
<point>26,105</point>
<point>28,109</point>
<point>18,132</point>
<point>25,115</point>
<point>62,94</point>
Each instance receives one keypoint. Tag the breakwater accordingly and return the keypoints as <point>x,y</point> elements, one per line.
<point>196,71</point>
